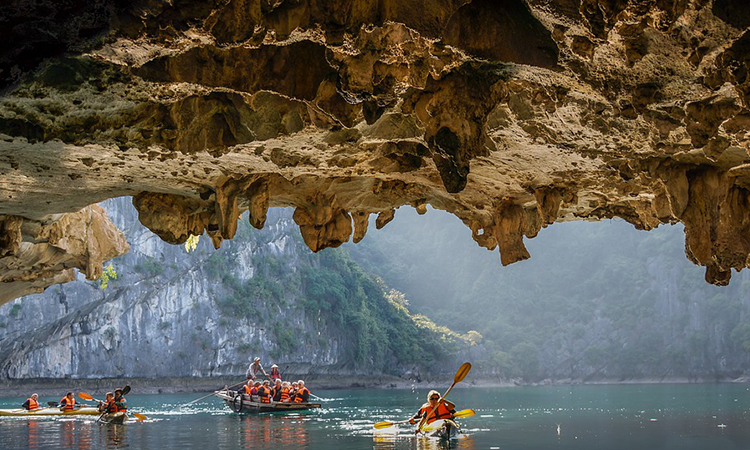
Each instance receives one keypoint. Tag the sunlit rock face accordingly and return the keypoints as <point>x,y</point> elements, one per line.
<point>509,114</point>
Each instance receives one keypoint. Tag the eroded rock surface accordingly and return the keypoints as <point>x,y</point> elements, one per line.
<point>509,114</point>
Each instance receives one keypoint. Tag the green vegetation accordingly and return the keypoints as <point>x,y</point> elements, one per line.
<point>326,292</point>
<point>109,273</point>
<point>337,288</point>
<point>149,267</point>
<point>15,310</point>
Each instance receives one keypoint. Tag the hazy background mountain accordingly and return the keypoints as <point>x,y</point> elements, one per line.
<point>596,301</point>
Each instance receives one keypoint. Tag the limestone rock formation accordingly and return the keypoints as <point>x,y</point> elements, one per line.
<point>510,114</point>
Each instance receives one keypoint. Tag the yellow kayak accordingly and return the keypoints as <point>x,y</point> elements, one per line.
<point>86,411</point>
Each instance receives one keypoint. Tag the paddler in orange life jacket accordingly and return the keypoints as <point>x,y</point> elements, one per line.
<point>119,400</point>
<point>264,392</point>
<point>445,409</point>
<point>67,403</point>
<point>303,393</point>
<point>31,403</point>
<point>108,405</point>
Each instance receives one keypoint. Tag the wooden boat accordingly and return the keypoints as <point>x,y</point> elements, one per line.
<point>243,403</point>
<point>442,429</point>
<point>49,412</point>
<point>118,417</point>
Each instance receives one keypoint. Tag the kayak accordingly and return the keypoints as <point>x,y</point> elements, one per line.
<point>442,429</point>
<point>49,412</point>
<point>118,417</point>
<point>243,403</point>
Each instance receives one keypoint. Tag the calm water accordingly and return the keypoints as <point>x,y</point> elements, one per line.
<point>711,416</point>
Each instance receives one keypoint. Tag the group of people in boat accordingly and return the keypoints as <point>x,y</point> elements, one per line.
<point>273,388</point>
<point>112,403</point>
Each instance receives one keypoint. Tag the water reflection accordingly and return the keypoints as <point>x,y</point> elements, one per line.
<point>115,435</point>
<point>395,440</point>
<point>264,431</point>
<point>32,431</point>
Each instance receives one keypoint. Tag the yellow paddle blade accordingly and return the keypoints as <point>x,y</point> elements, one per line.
<point>462,372</point>
<point>383,424</point>
<point>139,416</point>
<point>464,413</point>
<point>85,396</point>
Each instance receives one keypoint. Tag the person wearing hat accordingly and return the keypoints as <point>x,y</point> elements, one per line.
<point>254,369</point>
<point>31,403</point>
<point>444,410</point>
<point>275,375</point>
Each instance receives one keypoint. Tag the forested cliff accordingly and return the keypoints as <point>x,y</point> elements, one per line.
<point>601,302</point>
<point>171,312</point>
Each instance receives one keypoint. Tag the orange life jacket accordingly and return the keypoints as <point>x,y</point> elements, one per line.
<point>248,388</point>
<point>265,394</point>
<point>298,396</point>
<point>442,412</point>
<point>284,394</point>
<point>275,375</point>
<point>110,407</point>
<point>33,404</point>
<point>69,403</point>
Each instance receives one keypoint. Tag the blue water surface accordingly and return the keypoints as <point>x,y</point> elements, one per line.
<point>613,417</point>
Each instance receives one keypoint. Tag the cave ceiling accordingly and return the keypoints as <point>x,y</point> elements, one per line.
<point>509,114</point>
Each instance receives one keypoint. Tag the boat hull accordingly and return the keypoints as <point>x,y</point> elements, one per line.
<point>243,403</point>
<point>442,429</point>
<point>114,418</point>
<point>48,412</point>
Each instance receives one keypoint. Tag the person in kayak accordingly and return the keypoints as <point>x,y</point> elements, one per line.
<point>303,394</point>
<point>254,369</point>
<point>108,405</point>
<point>31,403</point>
<point>275,375</point>
<point>119,400</point>
<point>445,409</point>
<point>67,403</point>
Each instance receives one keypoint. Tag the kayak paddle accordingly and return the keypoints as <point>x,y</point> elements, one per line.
<point>212,393</point>
<point>86,396</point>
<point>459,415</point>
<point>460,375</point>
<point>140,416</point>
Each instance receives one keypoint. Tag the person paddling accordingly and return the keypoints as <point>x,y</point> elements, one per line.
<point>108,405</point>
<point>254,369</point>
<point>31,403</point>
<point>119,400</point>
<point>67,403</point>
<point>444,410</point>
